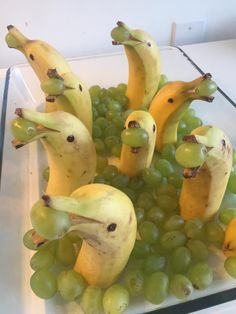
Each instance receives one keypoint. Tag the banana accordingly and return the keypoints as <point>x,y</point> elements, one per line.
<point>144,64</point>
<point>229,245</point>
<point>108,235</point>
<point>204,187</point>
<point>134,159</point>
<point>170,104</point>
<point>48,63</point>
<point>69,147</point>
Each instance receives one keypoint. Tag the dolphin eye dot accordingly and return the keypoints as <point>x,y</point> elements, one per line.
<point>70,138</point>
<point>111,227</point>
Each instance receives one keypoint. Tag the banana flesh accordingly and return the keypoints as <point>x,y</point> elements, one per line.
<point>108,235</point>
<point>170,104</point>
<point>134,159</point>
<point>144,66</point>
<point>203,188</point>
<point>229,245</point>
<point>70,150</point>
<point>44,58</point>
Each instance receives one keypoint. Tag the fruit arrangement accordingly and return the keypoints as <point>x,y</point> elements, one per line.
<point>134,184</point>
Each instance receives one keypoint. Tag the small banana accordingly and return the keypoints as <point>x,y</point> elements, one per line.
<point>204,187</point>
<point>170,104</point>
<point>229,245</point>
<point>144,64</point>
<point>108,235</point>
<point>45,61</point>
<point>70,150</point>
<point>134,159</point>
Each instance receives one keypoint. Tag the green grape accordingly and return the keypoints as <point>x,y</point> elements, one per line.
<point>65,252</point>
<point>43,258</point>
<point>145,200</point>
<point>140,214</point>
<point>154,263</point>
<point>91,300</point>
<point>163,81</point>
<point>123,100</point>
<point>44,284</point>
<point>28,240</point>
<point>110,172</point>
<point>70,284</point>
<point>94,113</point>
<point>198,250</point>
<point>130,193</point>
<point>231,187</point>
<point>94,90</point>
<point>97,131</point>
<point>175,180</point>
<point>148,232</point>
<point>23,130</point>
<point>182,128</point>
<point>101,109</point>
<point>191,155</point>
<point>206,88</point>
<point>48,222</point>
<point>180,259</point>
<point>101,164</point>
<point>193,123</point>
<point>46,173</point>
<point>122,87</point>
<point>119,122</point>
<point>111,116</point>
<point>166,189</point>
<point>141,249</point>
<point>164,166</point>
<point>230,266</point>
<point>201,275</point>
<point>190,112</point>
<point>234,157</point>
<point>226,215</point>
<point>112,92</point>
<point>114,106</point>
<point>74,236</point>
<point>134,137</point>
<point>99,179</point>
<point>53,86</point>
<point>120,34</point>
<point>214,233</point>
<point>167,203</point>
<point>180,286</point>
<point>156,215</point>
<point>156,287</point>
<point>120,181</point>
<point>95,101</point>
<point>151,176</point>
<point>102,122</point>
<point>136,183</point>
<point>115,299</point>
<point>134,281</point>
<point>99,146</point>
<point>127,113</point>
<point>174,222</point>
<point>172,239</point>
<point>168,152</point>
<point>111,141</point>
<point>111,130</point>
<point>193,228</point>
<point>116,150</point>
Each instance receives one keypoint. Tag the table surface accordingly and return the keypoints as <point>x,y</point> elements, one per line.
<point>218,58</point>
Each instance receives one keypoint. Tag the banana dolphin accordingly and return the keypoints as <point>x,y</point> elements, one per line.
<point>45,60</point>
<point>105,218</point>
<point>70,150</point>
<point>203,188</point>
<point>144,64</point>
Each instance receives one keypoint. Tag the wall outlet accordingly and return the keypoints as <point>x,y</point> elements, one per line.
<point>188,33</point>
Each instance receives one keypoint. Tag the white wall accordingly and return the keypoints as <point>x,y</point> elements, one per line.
<point>82,27</point>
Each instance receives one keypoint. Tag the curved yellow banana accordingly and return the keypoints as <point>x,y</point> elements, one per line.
<point>144,64</point>
<point>229,245</point>
<point>203,188</point>
<point>45,59</point>
<point>108,235</point>
<point>134,159</point>
<point>170,104</point>
<point>70,150</point>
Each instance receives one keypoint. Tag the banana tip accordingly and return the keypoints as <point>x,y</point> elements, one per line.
<point>9,27</point>
<point>46,199</point>
<point>18,112</point>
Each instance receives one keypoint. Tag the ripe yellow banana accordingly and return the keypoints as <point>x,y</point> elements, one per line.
<point>170,104</point>
<point>203,188</point>
<point>144,64</point>
<point>108,235</point>
<point>229,245</point>
<point>69,147</point>
<point>134,159</point>
<point>43,58</point>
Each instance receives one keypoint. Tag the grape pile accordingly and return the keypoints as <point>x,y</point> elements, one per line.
<point>170,256</point>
